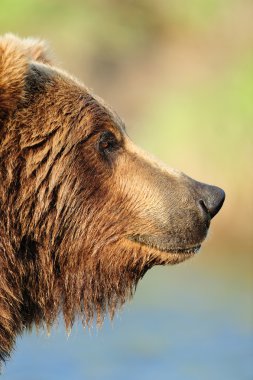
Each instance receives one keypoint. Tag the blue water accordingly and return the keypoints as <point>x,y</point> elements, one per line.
<point>188,322</point>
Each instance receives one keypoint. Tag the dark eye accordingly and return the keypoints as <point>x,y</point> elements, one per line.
<point>107,143</point>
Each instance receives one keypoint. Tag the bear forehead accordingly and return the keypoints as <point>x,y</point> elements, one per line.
<point>74,97</point>
<point>30,79</point>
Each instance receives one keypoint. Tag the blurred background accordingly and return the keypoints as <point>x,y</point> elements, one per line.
<point>180,73</point>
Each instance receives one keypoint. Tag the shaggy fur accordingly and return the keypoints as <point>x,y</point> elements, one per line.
<point>84,213</point>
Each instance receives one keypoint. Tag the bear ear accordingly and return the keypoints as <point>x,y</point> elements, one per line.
<point>37,50</point>
<point>15,56</point>
<point>34,49</point>
<point>13,69</point>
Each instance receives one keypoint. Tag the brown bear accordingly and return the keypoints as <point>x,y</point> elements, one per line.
<point>84,213</point>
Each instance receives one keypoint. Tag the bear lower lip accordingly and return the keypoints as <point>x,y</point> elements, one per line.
<point>164,247</point>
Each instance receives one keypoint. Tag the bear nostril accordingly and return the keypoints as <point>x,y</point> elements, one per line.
<point>213,201</point>
<point>203,207</point>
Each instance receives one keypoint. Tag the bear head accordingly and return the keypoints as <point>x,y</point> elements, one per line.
<point>84,212</point>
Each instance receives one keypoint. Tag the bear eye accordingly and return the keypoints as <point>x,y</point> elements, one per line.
<point>107,143</point>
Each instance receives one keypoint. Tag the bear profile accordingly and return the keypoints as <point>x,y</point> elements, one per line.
<point>84,213</point>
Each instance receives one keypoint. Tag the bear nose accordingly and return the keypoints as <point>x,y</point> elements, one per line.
<point>212,199</point>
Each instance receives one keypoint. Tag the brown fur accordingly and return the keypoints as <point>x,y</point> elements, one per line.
<point>79,227</point>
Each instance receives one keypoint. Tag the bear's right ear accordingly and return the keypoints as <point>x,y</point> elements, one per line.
<point>36,50</point>
<point>13,70</point>
<point>15,56</point>
<point>33,48</point>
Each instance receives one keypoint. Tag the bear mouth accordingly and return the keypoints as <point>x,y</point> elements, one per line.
<point>163,246</point>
